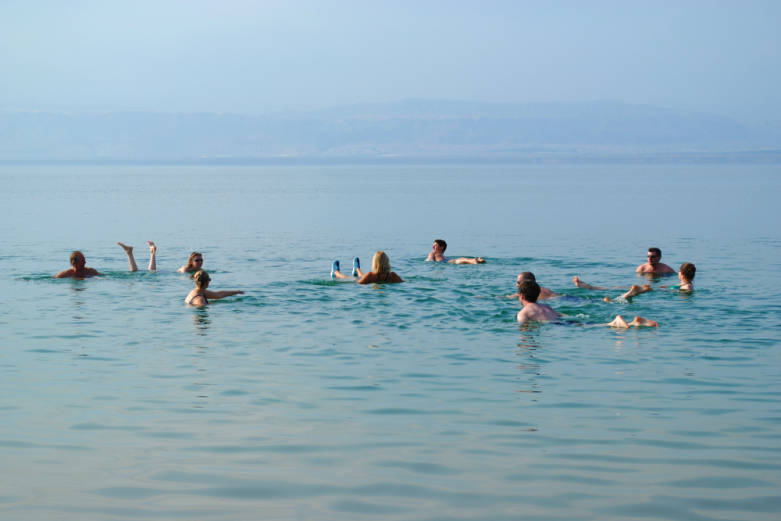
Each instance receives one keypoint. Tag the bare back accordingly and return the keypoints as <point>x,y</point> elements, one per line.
<point>534,312</point>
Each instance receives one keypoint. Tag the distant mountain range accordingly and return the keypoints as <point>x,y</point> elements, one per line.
<point>414,129</point>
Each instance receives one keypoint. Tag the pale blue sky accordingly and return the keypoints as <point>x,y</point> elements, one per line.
<point>243,56</point>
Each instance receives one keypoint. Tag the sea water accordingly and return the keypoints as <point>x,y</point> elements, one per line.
<point>307,398</point>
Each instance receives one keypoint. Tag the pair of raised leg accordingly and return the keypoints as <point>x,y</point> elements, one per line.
<point>132,260</point>
<point>336,272</point>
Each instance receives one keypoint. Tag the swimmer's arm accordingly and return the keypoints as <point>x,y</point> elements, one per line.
<point>430,257</point>
<point>215,295</point>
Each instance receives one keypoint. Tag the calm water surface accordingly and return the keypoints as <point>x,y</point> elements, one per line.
<point>308,399</point>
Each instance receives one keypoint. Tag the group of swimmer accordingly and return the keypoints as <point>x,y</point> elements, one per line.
<point>529,291</point>
<point>198,297</point>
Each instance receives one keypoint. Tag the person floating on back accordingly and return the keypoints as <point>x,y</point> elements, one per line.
<point>685,274</point>
<point>534,312</point>
<point>654,266</point>
<point>200,296</point>
<point>437,254</point>
<point>132,260</point>
<point>78,269</point>
<point>381,271</point>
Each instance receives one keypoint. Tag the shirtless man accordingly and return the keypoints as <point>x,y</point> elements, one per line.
<point>530,291</point>
<point>79,269</point>
<point>437,254</point>
<point>545,293</point>
<point>654,266</point>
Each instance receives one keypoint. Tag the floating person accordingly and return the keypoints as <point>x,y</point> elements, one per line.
<point>194,263</point>
<point>132,261</point>
<point>200,296</point>
<point>78,269</point>
<point>437,254</point>
<point>685,274</point>
<point>545,293</point>
<point>534,312</point>
<point>381,271</point>
<point>654,266</point>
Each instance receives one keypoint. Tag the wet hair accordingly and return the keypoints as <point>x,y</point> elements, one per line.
<point>201,278</point>
<point>655,251</point>
<point>75,255</point>
<point>442,244</point>
<point>529,290</point>
<point>191,260</point>
<point>381,263</point>
<point>688,270</point>
<point>527,275</point>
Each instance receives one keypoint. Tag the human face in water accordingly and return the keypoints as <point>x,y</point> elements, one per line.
<point>653,258</point>
<point>198,262</point>
<point>437,248</point>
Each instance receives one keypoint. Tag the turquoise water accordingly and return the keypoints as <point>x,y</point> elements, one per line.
<point>310,399</point>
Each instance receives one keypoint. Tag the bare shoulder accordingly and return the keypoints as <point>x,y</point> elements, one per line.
<point>395,278</point>
<point>64,274</point>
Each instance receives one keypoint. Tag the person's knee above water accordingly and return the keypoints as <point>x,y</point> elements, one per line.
<point>78,269</point>
<point>200,295</point>
<point>437,254</point>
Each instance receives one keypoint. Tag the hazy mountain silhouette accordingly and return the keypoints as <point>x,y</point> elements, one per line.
<point>415,128</point>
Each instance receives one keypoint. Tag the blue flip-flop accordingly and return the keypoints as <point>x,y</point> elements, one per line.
<point>334,267</point>
<point>356,266</point>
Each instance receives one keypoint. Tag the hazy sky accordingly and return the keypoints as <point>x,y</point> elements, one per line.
<point>244,56</point>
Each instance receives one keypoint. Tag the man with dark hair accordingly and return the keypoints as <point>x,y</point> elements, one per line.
<point>654,266</point>
<point>529,291</point>
<point>78,269</point>
<point>437,254</point>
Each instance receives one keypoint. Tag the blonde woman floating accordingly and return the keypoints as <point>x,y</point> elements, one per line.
<point>380,273</point>
<point>200,296</point>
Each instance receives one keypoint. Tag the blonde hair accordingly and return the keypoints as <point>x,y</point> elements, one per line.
<point>201,278</point>
<point>381,262</point>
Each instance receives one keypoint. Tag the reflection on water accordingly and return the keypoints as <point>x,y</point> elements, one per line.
<point>201,320</point>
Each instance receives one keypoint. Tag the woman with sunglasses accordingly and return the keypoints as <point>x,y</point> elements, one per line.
<point>194,263</point>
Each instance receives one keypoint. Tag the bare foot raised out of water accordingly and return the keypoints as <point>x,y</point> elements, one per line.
<point>636,322</point>
<point>130,259</point>
<point>152,247</point>
<point>580,284</point>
